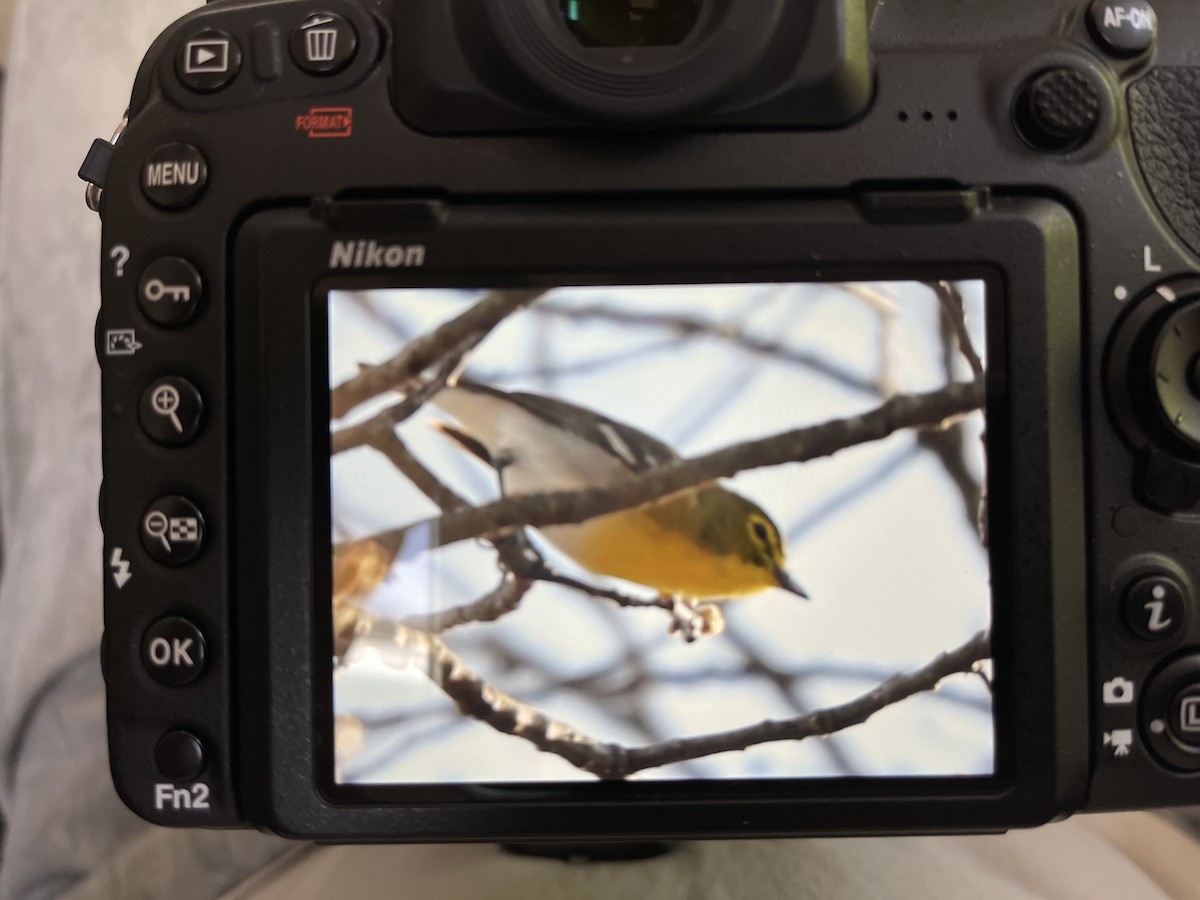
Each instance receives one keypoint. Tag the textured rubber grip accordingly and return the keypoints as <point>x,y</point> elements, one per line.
<point>1164,112</point>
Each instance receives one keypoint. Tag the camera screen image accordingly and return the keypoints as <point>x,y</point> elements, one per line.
<point>676,531</point>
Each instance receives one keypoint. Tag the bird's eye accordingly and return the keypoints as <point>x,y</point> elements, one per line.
<point>760,531</point>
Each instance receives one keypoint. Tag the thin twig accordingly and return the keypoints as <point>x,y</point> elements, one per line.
<point>687,326</point>
<point>952,308</point>
<point>464,331</point>
<point>482,701</point>
<point>499,602</point>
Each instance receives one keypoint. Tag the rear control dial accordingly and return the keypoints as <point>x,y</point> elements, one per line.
<point>1154,393</point>
<point>1175,360</point>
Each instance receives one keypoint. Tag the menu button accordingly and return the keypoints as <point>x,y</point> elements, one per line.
<point>174,176</point>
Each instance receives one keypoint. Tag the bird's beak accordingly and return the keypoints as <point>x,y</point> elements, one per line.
<point>785,581</point>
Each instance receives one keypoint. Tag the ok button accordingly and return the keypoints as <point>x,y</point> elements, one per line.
<point>173,651</point>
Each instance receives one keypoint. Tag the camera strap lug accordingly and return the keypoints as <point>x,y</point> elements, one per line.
<point>95,165</point>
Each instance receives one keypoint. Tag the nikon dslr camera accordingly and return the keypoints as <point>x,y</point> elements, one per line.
<point>579,419</point>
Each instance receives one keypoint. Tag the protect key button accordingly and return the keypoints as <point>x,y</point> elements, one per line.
<point>170,291</point>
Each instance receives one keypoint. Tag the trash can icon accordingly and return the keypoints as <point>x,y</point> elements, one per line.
<point>321,44</point>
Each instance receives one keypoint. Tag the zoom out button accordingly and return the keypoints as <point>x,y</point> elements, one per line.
<point>173,531</point>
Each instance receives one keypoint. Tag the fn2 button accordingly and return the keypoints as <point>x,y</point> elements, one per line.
<point>173,651</point>
<point>179,756</point>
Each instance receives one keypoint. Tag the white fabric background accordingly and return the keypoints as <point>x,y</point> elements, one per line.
<point>72,65</point>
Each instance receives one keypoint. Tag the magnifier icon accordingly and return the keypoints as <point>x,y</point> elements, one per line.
<point>166,401</point>
<point>157,525</point>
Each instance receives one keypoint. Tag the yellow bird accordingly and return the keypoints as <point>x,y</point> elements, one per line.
<point>701,543</point>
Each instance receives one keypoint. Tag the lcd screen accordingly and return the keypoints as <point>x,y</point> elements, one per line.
<point>758,546</point>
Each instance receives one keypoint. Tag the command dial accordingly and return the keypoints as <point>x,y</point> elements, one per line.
<point>1153,393</point>
<point>1176,363</point>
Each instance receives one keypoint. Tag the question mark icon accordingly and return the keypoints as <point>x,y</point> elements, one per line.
<point>121,254</point>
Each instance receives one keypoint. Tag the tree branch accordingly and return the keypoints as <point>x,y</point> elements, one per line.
<point>463,332</point>
<point>687,326</point>
<point>476,698</point>
<point>800,445</point>
<point>954,312</point>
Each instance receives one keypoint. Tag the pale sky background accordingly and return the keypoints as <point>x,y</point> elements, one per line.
<point>876,534</point>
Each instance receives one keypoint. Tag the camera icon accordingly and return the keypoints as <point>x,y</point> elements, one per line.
<point>1117,692</point>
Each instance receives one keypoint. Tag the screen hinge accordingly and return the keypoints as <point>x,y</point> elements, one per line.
<point>358,215</point>
<point>920,207</point>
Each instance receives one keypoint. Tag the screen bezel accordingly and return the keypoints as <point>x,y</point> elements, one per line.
<point>287,254</point>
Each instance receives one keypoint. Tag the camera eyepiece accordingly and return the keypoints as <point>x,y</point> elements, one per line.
<point>632,63</point>
<point>632,23</point>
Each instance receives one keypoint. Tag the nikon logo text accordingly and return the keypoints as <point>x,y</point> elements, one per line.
<point>374,255</point>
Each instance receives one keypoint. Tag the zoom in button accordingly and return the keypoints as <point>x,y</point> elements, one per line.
<point>171,411</point>
<point>173,531</point>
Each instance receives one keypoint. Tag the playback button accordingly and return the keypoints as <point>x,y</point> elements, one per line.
<point>208,61</point>
<point>170,291</point>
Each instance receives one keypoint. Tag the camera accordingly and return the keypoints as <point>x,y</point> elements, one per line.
<point>571,420</point>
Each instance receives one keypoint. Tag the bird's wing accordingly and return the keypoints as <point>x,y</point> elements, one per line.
<point>636,450</point>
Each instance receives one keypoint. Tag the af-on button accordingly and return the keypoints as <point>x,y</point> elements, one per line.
<point>1126,28</point>
<point>174,176</point>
